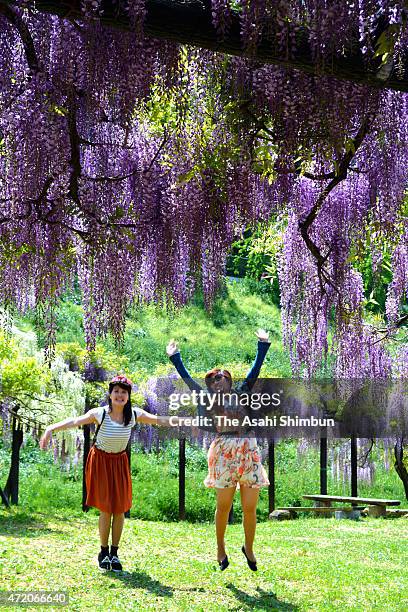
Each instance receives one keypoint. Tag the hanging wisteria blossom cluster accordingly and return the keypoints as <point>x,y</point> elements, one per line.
<point>133,163</point>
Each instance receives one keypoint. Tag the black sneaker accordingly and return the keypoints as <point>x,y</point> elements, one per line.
<point>104,562</point>
<point>116,565</point>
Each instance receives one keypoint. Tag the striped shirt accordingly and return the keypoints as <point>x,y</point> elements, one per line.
<point>113,437</point>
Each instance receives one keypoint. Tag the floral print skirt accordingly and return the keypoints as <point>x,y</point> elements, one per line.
<point>235,461</point>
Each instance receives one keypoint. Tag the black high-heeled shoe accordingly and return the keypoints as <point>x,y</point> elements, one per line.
<point>224,563</point>
<point>251,564</point>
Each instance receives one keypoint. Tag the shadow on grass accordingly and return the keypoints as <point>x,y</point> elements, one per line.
<point>24,525</point>
<point>143,581</point>
<point>264,600</point>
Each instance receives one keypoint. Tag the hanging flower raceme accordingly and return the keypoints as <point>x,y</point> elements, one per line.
<point>135,163</point>
<point>398,288</point>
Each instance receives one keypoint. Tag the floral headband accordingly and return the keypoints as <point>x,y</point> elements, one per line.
<point>121,380</point>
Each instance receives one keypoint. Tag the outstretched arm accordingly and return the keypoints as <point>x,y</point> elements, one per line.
<point>175,357</point>
<point>85,419</point>
<point>167,421</point>
<point>263,347</point>
<point>156,419</point>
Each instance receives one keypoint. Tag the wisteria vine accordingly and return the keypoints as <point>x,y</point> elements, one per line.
<point>133,163</point>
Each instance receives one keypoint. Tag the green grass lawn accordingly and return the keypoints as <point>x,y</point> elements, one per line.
<point>307,564</point>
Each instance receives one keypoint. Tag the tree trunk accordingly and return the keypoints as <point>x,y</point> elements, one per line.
<point>189,22</point>
<point>399,463</point>
<point>4,498</point>
<point>11,488</point>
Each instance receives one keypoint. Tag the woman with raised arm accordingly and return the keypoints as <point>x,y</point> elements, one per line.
<point>232,461</point>
<point>107,473</point>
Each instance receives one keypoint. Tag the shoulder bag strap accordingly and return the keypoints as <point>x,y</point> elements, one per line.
<point>98,428</point>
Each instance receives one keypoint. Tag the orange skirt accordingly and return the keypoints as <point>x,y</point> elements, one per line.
<point>108,481</point>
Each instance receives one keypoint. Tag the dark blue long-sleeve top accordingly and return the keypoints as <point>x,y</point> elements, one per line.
<point>243,387</point>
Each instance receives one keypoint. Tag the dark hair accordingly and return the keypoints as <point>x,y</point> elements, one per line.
<point>211,373</point>
<point>127,409</point>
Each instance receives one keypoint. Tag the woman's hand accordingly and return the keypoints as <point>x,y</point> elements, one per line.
<point>172,348</point>
<point>262,335</point>
<point>45,439</point>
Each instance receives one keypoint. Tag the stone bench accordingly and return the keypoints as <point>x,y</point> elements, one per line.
<point>348,511</point>
<point>375,507</point>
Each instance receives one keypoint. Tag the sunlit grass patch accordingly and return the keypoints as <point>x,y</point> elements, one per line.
<point>308,564</point>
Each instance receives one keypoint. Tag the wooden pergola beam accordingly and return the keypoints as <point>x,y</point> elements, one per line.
<point>189,22</point>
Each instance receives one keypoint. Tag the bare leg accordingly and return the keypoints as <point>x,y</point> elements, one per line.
<point>224,503</point>
<point>117,527</point>
<point>249,500</point>
<point>104,527</point>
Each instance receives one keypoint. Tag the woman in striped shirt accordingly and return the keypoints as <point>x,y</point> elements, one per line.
<point>107,473</point>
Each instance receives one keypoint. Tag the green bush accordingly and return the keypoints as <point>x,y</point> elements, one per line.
<point>206,339</point>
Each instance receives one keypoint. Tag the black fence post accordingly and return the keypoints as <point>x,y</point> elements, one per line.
<point>92,374</point>
<point>271,475</point>
<point>129,456</point>
<point>87,443</point>
<point>353,449</point>
<point>182,479</point>
<point>323,466</point>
